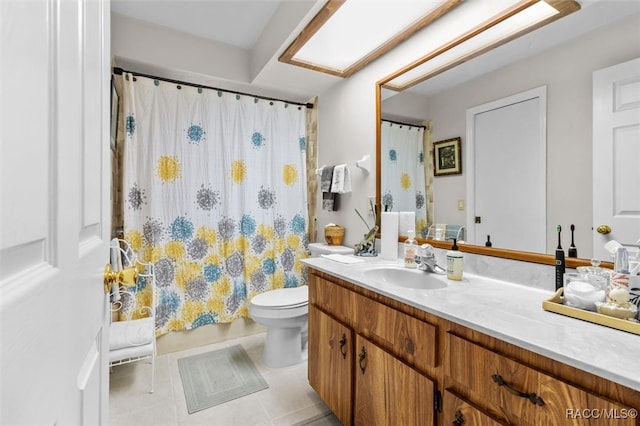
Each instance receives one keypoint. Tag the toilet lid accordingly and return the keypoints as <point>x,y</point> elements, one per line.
<point>283,298</point>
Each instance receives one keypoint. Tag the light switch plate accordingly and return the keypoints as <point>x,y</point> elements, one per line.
<point>460,204</point>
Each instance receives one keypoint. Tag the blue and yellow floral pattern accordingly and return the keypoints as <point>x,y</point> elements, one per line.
<point>215,199</point>
<point>403,176</point>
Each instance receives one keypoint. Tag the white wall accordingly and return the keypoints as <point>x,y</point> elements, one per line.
<point>346,132</point>
<point>146,43</point>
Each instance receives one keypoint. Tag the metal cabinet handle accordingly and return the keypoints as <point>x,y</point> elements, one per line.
<point>459,420</point>
<point>362,361</point>
<point>535,399</point>
<point>343,343</point>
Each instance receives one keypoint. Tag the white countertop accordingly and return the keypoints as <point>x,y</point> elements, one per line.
<point>513,313</point>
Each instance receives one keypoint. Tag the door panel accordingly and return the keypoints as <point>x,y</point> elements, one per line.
<point>25,236</point>
<point>54,186</point>
<point>506,154</point>
<point>388,391</point>
<point>330,362</point>
<point>616,156</point>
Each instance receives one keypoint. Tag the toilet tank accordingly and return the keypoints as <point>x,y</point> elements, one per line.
<point>317,249</point>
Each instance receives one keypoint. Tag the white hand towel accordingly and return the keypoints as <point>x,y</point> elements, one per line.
<point>341,183</point>
<point>342,258</point>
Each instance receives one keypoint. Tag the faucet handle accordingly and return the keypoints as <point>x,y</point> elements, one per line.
<point>426,250</point>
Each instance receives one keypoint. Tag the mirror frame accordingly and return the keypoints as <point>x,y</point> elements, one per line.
<point>540,258</point>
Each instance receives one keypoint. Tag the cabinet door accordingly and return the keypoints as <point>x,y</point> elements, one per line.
<point>387,391</point>
<point>330,362</point>
<point>459,412</point>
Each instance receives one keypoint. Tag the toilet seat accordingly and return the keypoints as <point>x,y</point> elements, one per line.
<point>283,298</point>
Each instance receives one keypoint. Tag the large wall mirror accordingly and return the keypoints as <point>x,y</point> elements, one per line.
<point>561,58</point>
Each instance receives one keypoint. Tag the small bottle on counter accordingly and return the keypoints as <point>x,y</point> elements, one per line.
<point>410,250</point>
<point>455,263</point>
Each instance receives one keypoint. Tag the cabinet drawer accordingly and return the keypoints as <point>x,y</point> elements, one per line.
<point>458,412</point>
<point>331,298</point>
<point>410,339</point>
<point>520,393</point>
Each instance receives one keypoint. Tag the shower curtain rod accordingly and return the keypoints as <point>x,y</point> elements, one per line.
<point>404,124</point>
<point>119,71</point>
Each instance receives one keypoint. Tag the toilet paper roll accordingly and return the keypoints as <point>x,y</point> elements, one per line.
<point>389,236</point>
<point>407,223</point>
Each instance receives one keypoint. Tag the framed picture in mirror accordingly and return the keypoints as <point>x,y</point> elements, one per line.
<point>447,157</point>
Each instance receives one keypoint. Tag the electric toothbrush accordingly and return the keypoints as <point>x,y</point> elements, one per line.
<point>560,265</point>
<point>573,251</point>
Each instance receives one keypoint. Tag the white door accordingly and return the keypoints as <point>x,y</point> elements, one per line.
<point>55,211</point>
<point>616,156</point>
<point>506,172</point>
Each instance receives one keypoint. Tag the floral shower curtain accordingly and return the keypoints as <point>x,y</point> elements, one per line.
<point>214,196</point>
<point>402,177</point>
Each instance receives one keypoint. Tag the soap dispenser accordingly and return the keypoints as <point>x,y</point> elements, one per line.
<point>410,250</point>
<point>455,263</point>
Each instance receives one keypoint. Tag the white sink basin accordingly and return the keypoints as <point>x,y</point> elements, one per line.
<point>406,278</point>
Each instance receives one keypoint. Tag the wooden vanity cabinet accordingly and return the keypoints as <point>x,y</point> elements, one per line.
<point>366,380</point>
<point>403,366</point>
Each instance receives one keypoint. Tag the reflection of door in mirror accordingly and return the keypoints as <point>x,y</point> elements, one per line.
<point>506,179</point>
<point>616,153</point>
<point>402,179</point>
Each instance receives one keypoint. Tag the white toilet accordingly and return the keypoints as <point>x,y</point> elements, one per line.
<point>285,313</point>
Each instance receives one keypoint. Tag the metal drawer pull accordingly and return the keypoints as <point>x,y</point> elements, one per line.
<point>362,361</point>
<point>535,399</point>
<point>343,343</point>
<point>459,421</point>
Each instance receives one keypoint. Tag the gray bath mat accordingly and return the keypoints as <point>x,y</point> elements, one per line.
<point>219,376</point>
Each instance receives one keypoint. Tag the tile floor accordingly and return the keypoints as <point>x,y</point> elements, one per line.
<point>288,400</point>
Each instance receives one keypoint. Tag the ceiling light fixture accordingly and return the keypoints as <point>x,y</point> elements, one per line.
<point>345,36</point>
<point>517,20</point>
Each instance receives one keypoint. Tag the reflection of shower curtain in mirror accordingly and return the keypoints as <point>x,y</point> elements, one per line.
<point>215,197</point>
<point>402,178</point>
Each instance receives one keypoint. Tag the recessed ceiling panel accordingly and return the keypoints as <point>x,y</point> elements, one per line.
<point>346,35</point>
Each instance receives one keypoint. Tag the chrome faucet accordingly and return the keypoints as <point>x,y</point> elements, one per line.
<point>426,260</point>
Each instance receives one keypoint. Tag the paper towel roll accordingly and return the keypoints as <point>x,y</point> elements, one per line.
<point>407,223</point>
<point>389,236</point>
